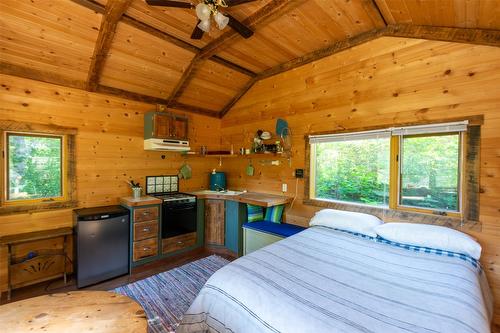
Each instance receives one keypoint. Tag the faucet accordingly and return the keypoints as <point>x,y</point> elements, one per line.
<point>219,188</point>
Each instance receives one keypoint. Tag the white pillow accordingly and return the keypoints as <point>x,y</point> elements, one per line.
<point>348,221</point>
<point>432,236</point>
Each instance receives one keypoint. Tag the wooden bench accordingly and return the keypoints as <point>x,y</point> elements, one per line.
<point>262,233</point>
<point>45,265</point>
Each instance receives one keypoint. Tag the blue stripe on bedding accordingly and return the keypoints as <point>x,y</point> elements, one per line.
<point>322,280</point>
<point>416,248</point>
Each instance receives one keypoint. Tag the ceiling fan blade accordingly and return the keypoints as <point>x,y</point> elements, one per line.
<point>237,2</point>
<point>197,32</point>
<point>168,3</point>
<point>239,27</point>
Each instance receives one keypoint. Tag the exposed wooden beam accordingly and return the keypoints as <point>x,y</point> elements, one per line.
<point>159,34</point>
<point>236,98</point>
<point>114,11</point>
<point>35,74</point>
<point>92,5</point>
<point>153,100</point>
<point>52,78</point>
<point>233,66</point>
<point>456,35</point>
<point>321,53</point>
<point>264,15</point>
<point>185,79</point>
<point>374,13</point>
<point>193,109</point>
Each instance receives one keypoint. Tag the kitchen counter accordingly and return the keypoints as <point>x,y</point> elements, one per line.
<point>253,198</point>
<point>142,201</point>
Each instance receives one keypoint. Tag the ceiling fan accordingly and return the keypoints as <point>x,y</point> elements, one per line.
<point>206,9</point>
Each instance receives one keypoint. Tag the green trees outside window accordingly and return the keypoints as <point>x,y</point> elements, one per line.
<point>358,171</point>
<point>430,175</point>
<point>355,171</point>
<point>34,166</point>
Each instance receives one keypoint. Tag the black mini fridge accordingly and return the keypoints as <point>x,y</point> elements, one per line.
<point>102,244</point>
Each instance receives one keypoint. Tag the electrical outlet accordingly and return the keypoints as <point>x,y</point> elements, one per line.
<point>284,187</point>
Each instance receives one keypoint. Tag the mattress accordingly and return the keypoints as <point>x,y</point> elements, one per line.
<point>325,280</point>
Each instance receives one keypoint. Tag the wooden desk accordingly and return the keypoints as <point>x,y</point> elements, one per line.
<point>76,311</point>
<point>45,266</point>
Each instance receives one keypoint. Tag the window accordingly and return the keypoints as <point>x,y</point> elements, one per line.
<point>416,168</point>
<point>355,170</point>
<point>430,172</point>
<point>34,167</point>
<point>38,167</point>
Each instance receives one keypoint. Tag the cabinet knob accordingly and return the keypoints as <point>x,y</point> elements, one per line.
<point>146,229</point>
<point>146,249</point>
<point>179,242</point>
<point>145,213</point>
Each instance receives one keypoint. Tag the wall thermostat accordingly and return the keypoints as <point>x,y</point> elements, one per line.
<point>299,173</point>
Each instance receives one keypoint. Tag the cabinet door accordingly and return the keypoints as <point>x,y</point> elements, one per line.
<point>214,222</point>
<point>179,127</point>
<point>162,126</point>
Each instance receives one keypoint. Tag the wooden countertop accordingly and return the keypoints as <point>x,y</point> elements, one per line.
<point>75,311</point>
<point>253,198</point>
<point>142,201</point>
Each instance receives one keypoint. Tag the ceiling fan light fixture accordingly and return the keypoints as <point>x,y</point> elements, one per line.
<point>205,25</point>
<point>203,12</point>
<point>221,20</point>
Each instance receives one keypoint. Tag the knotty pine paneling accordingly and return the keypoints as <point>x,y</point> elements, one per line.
<point>57,37</point>
<point>445,13</point>
<point>309,27</point>
<point>109,147</point>
<point>201,90</point>
<point>142,63</point>
<point>382,82</point>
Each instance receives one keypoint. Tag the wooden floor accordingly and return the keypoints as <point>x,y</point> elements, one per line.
<point>139,273</point>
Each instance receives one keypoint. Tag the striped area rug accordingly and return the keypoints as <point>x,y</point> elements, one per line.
<point>166,296</point>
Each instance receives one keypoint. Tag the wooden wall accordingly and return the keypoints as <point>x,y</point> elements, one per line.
<point>386,81</point>
<point>109,147</point>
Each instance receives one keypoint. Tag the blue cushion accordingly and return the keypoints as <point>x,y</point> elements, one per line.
<point>274,213</point>
<point>255,213</point>
<point>281,229</point>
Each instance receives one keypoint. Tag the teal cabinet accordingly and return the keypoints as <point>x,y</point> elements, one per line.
<point>236,215</point>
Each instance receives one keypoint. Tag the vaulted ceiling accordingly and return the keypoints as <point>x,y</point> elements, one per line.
<point>131,49</point>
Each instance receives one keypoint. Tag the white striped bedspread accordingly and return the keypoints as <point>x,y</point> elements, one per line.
<point>324,280</point>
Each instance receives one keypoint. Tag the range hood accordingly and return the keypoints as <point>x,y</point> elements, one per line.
<point>166,144</point>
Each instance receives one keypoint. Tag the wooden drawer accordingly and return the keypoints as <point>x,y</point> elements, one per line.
<point>146,214</point>
<point>143,230</point>
<point>145,248</point>
<point>173,244</point>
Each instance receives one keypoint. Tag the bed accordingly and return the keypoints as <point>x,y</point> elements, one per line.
<point>326,280</point>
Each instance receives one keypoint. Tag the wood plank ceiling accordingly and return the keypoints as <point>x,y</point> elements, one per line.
<point>127,48</point>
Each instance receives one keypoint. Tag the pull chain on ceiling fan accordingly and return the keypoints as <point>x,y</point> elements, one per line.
<point>207,9</point>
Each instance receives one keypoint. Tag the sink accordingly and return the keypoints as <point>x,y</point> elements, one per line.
<point>227,192</point>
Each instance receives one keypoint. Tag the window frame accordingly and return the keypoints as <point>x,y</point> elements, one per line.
<point>469,178</point>
<point>312,184</point>
<point>68,172</point>
<point>63,173</point>
<point>395,182</point>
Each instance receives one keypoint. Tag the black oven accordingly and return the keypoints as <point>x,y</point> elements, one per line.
<point>178,218</point>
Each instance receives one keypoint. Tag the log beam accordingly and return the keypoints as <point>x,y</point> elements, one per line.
<point>264,15</point>
<point>455,35</point>
<point>112,14</point>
